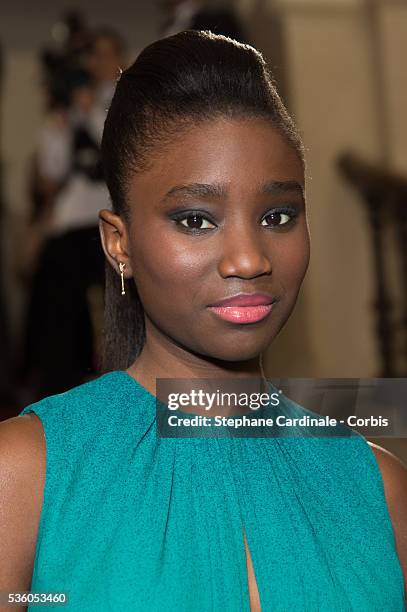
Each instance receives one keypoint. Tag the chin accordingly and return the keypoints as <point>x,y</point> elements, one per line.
<point>240,352</point>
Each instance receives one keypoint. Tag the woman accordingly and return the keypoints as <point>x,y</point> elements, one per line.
<point>206,175</point>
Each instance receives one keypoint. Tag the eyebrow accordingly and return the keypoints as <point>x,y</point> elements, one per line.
<point>277,187</point>
<point>217,190</point>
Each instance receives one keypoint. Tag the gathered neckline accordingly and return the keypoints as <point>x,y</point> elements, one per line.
<point>153,397</point>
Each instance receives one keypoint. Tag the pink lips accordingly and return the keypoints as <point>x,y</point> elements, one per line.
<point>244,308</point>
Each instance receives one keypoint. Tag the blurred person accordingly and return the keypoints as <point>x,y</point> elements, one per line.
<point>106,53</point>
<point>68,179</point>
<point>101,52</point>
<point>199,15</point>
<point>65,237</point>
<point>63,58</point>
<point>207,246</point>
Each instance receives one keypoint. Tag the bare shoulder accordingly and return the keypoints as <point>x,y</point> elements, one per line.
<point>22,478</point>
<point>21,432</point>
<point>394,475</point>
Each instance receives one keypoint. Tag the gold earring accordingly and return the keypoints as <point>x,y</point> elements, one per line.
<point>122,266</point>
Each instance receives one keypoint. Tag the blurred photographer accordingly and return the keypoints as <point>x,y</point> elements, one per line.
<point>64,260</point>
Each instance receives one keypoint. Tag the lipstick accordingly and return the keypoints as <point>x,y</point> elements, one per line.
<point>244,308</point>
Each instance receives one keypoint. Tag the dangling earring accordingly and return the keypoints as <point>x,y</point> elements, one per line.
<point>122,266</point>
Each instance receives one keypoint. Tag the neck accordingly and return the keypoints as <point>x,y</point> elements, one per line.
<point>161,358</point>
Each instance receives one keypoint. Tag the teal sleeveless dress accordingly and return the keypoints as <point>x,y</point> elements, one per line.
<point>134,522</point>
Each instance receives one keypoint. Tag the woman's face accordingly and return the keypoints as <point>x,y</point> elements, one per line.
<point>220,212</point>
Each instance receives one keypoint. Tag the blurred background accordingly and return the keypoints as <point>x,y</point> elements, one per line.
<point>339,66</point>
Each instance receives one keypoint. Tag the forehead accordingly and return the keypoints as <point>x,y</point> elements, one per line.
<point>239,153</point>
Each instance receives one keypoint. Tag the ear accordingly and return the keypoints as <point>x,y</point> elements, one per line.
<point>115,241</point>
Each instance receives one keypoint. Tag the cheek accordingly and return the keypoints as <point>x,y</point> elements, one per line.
<point>176,268</point>
<point>291,262</point>
<point>166,267</point>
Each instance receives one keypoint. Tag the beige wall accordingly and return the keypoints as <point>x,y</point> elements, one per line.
<point>393,30</point>
<point>21,113</point>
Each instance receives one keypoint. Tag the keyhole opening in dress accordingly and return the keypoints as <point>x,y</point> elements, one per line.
<point>251,578</point>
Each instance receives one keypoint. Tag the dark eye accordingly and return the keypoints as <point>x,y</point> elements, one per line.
<point>195,221</point>
<point>276,218</point>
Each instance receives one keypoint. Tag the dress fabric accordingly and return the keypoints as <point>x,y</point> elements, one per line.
<point>132,521</point>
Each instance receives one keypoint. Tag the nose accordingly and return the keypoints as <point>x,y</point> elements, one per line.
<point>243,254</point>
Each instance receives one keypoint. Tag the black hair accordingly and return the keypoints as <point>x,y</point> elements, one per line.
<point>174,83</point>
